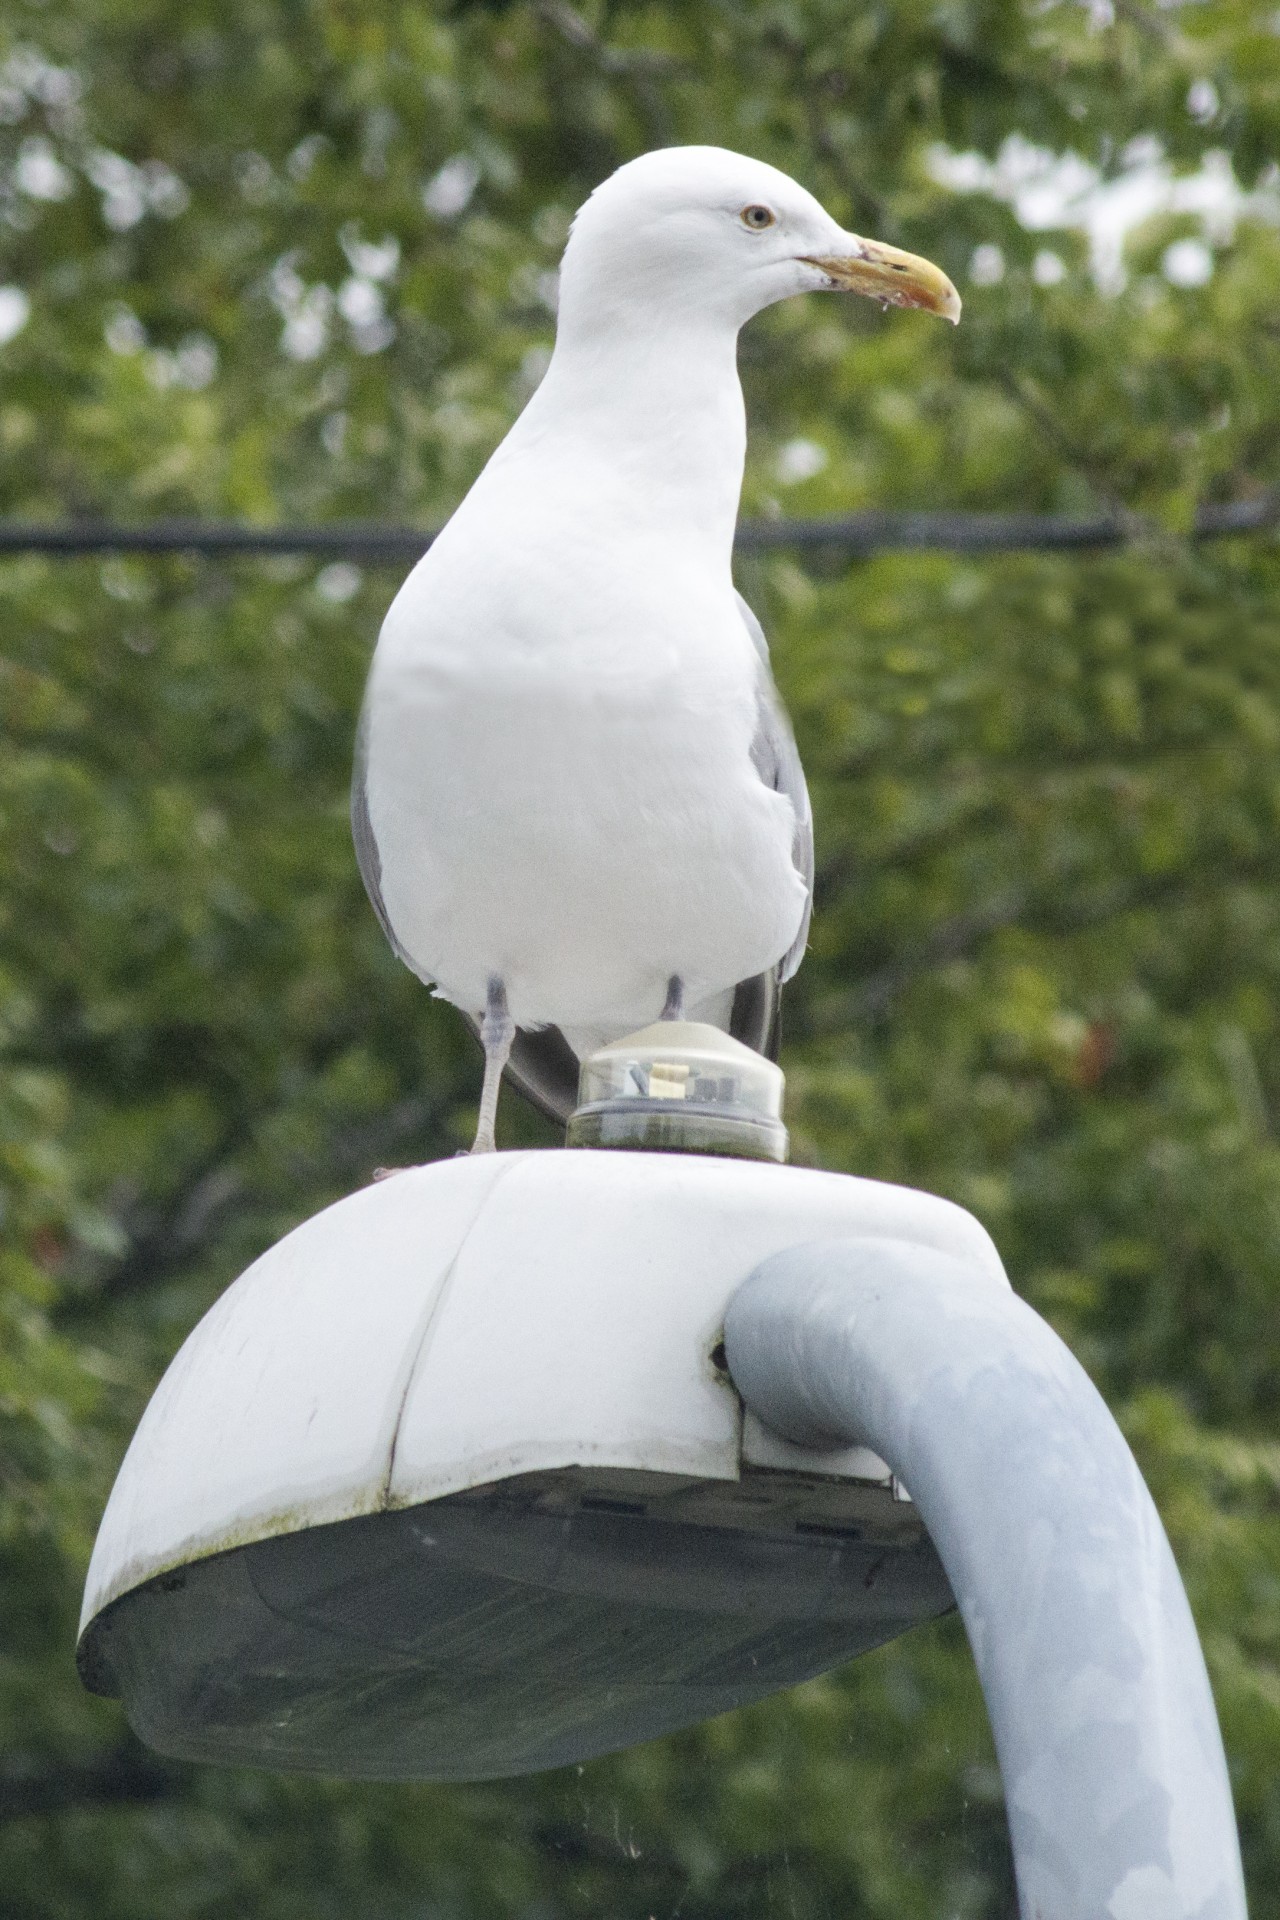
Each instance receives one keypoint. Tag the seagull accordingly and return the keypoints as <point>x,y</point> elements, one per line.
<point>577,802</point>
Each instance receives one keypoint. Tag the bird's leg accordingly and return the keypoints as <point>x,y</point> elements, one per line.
<point>674,1007</point>
<point>497,1031</point>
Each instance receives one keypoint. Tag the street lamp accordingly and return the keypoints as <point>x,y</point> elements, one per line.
<point>514,1459</point>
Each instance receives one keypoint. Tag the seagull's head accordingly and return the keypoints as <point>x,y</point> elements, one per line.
<point>699,231</point>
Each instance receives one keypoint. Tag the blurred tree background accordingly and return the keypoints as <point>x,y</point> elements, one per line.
<point>294,260</point>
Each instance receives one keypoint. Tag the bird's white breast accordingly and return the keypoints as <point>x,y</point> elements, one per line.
<point>560,782</point>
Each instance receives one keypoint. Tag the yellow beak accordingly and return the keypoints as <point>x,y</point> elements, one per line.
<point>886,274</point>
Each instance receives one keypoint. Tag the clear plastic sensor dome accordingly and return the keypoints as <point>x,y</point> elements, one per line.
<point>681,1087</point>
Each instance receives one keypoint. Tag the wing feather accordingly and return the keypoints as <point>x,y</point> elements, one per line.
<point>777,760</point>
<point>368,859</point>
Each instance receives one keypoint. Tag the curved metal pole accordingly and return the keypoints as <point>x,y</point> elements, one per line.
<point>1114,1775</point>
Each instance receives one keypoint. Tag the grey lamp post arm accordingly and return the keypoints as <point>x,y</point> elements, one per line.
<point>1115,1780</point>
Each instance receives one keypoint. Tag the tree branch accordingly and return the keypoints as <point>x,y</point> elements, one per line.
<point>1022,390</point>
<point>1161,32</point>
<point>167,1238</point>
<point>956,938</point>
<point>641,68</point>
<point>162,1239</point>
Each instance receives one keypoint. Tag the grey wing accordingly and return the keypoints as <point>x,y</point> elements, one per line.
<point>368,859</point>
<point>777,761</point>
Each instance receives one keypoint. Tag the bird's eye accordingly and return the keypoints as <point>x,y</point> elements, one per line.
<point>758,218</point>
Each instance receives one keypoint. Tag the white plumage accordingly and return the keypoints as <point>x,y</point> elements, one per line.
<point>575,782</point>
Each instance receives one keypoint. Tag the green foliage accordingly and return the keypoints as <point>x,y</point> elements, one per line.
<point>1045,969</point>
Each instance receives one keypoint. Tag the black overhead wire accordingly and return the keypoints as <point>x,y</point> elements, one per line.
<point>855,535</point>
